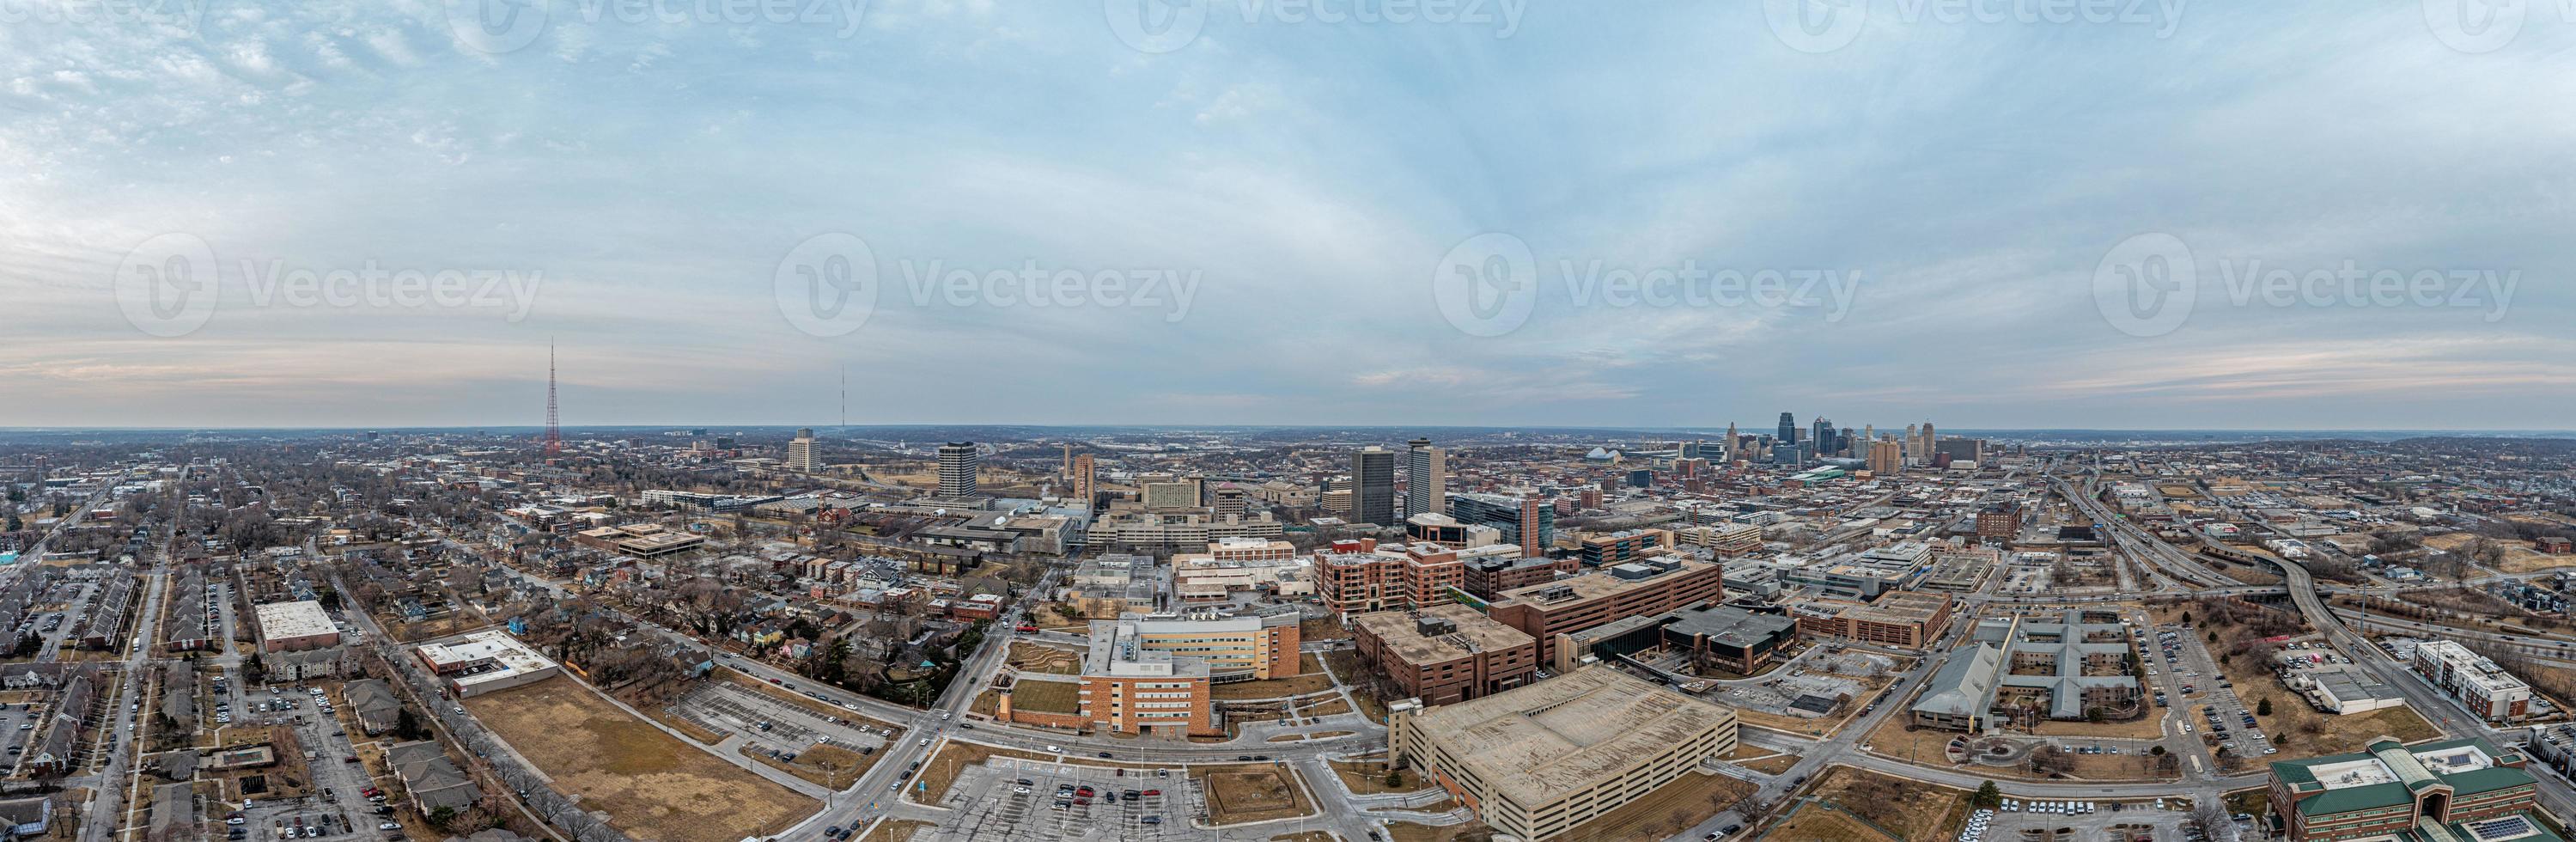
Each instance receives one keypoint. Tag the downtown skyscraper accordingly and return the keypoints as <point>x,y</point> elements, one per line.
<point>1373,486</point>
<point>1426,478</point>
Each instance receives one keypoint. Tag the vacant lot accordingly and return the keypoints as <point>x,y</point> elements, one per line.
<point>1671,809</point>
<point>1251,793</point>
<point>2311,732</point>
<point>1910,809</point>
<point>1819,823</point>
<point>651,785</point>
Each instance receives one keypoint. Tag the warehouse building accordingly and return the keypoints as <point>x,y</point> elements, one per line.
<point>295,626</point>
<point>1536,761</point>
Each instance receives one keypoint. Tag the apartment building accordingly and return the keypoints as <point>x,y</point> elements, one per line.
<point>2478,684</point>
<point>1445,654</point>
<point>1576,603</point>
<point>1539,760</point>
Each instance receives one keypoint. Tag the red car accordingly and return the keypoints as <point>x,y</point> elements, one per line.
<point>1153,792</point>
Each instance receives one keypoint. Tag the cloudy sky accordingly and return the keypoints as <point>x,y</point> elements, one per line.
<point>2301,214</point>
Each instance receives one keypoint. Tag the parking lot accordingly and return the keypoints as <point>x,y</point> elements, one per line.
<point>2024,821</point>
<point>2191,683</point>
<point>1041,801</point>
<point>733,709</point>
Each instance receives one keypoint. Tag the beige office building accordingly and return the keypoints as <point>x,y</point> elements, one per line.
<point>1536,761</point>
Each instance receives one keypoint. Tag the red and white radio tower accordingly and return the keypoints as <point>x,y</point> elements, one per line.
<point>554,427</point>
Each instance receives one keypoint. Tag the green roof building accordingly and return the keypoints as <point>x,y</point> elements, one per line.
<point>2442,791</point>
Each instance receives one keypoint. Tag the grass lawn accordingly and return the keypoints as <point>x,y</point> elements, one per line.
<point>895,830</point>
<point>1251,792</point>
<point>1046,696</point>
<point>651,785</point>
<point>833,767</point>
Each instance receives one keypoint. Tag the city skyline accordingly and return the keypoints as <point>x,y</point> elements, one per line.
<point>1248,183</point>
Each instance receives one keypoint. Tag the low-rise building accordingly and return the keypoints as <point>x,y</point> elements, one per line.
<point>2449,791</point>
<point>292,626</point>
<point>486,661</point>
<point>2478,684</point>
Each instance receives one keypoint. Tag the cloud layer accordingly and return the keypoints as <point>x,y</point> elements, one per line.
<point>656,166</point>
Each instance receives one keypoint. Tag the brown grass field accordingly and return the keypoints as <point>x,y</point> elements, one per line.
<point>1031,657</point>
<point>1255,792</point>
<point>652,786</point>
<point>1671,809</point>
<point>1310,678</point>
<point>1916,810</point>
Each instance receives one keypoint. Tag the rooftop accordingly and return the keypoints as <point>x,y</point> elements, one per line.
<point>1539,743</point>
<point>1472,632</point>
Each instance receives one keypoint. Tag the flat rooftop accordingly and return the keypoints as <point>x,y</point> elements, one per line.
<point>1900,607</point>
<point>294,619</point>
<point>1598,584</point>
<point>1542,742</point>
<point>1476,633</point>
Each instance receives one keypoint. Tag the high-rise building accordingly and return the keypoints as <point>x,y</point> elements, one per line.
<point>1373,486</point>
<point>1788,428</point>
<point>1886,458</point>
<point>1824,438</point>
<point>1426,478</point>
<point>958,462</point>
<point>1523,518</point>
<point>1732,442</point>
<point>800,451</point>
<point>1085,473</point>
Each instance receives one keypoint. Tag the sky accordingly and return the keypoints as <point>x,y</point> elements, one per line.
<point>1999,214</point>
